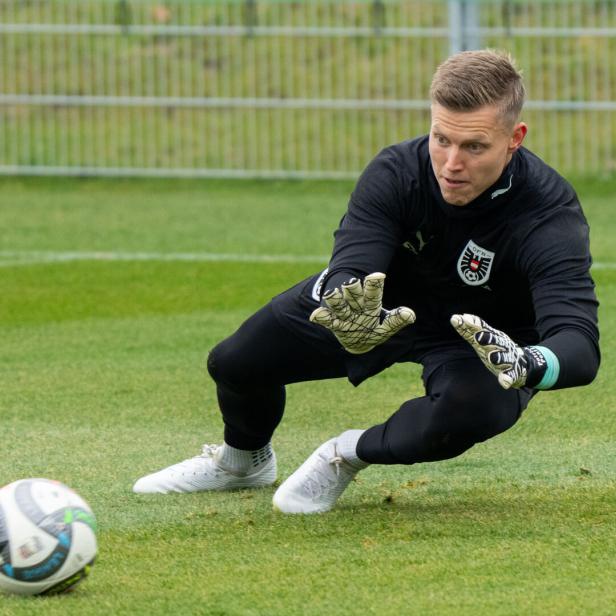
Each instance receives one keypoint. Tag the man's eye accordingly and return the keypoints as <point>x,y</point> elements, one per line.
<point>476,147</point>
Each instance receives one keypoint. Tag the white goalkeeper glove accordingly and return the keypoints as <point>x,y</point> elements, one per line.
<point>355,314</point>
<point>514,366</point>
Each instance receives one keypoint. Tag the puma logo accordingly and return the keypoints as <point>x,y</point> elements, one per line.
<point>502,191</point>
<point>420,243</point>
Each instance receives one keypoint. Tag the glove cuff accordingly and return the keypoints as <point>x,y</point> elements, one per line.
<point>543,367</point>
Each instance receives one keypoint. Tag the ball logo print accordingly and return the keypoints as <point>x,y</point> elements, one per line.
<point>47,537</point>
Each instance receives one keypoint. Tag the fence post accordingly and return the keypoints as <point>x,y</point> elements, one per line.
<point>250,16</point>
<point>123,15</point>
<point>378,16</point>
<point>463,25</point>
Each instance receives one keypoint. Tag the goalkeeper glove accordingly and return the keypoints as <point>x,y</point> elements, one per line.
<point>514,366</point>
<point>355,314</point>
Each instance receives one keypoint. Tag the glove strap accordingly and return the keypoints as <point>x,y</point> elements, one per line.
<point>543,367</point>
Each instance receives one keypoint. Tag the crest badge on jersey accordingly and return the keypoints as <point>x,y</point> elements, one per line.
<point>474,264</point>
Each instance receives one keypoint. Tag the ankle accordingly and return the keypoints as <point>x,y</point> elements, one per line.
<point>241,459</point>
<point>346,445</point>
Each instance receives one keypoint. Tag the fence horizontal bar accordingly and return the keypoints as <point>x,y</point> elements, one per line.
<point>270,103</point>
<point>543,32</point>
<point>291,31</point>
<point>571,105</point>
<point>298,31</point>
<point>205,102</point>
<point>165,172</point>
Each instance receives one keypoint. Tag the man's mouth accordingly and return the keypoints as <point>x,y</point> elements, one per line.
<point>451,183</point>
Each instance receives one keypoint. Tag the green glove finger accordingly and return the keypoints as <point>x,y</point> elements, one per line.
<point>353,293</point>
<point>338,305</point>
<point>506,379</point>
<point>395,321</point>
<point>322,316</point>
<point>467,325</point>
<point>373,293</point>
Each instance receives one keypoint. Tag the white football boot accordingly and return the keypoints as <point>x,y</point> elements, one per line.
<point>206,472</point>
<point>318,483</point>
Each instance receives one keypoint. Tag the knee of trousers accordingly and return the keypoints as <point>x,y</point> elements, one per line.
<point>222,365</point>
<point>232,366</point>
<point>444,426</point>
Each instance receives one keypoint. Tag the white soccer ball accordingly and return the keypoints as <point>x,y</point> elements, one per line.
<point>47,537</point>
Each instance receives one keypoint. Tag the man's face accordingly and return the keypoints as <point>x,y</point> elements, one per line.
<point>470,149</point>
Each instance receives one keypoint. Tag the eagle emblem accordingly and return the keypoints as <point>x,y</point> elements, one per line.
<point>474,264</point>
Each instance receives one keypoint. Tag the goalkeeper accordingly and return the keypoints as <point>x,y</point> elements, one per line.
<point>461,251</point>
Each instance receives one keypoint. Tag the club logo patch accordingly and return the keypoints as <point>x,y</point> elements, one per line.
<point>474,264</point>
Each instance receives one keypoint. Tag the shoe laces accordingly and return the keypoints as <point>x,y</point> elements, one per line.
<point>208,451</point>
<point>336,461</point>
<point>198,462</point>
<point>320,480</point>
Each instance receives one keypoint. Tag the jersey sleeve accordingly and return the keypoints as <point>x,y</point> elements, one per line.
<point>556,259</point>
<point>372,226</point>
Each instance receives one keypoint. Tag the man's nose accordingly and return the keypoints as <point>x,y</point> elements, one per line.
<point>454,159</point>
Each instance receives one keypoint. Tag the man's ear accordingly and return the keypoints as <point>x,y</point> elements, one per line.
<point>519,132</point>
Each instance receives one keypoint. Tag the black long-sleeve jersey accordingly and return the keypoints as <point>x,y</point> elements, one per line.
<point>518,255</point>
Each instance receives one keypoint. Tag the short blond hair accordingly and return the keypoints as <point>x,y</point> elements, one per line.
<point>469,80</point>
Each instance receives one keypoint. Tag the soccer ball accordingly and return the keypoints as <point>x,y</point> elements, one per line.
<point>47,537</point>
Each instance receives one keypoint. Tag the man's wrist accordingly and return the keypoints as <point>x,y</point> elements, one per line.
<point>543,367</point>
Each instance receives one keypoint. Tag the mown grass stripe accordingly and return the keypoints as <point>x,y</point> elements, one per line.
<point>14,258</point>
<point>11,258</point>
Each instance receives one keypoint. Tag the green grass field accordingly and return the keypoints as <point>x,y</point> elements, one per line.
<point>102,379</point>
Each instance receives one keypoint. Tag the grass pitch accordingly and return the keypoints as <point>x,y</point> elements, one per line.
<point>102,379</point>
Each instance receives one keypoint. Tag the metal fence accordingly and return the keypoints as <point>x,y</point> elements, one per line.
<point>262,88</point>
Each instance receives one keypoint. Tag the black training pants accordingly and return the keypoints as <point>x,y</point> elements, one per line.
<point>463,405</point>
